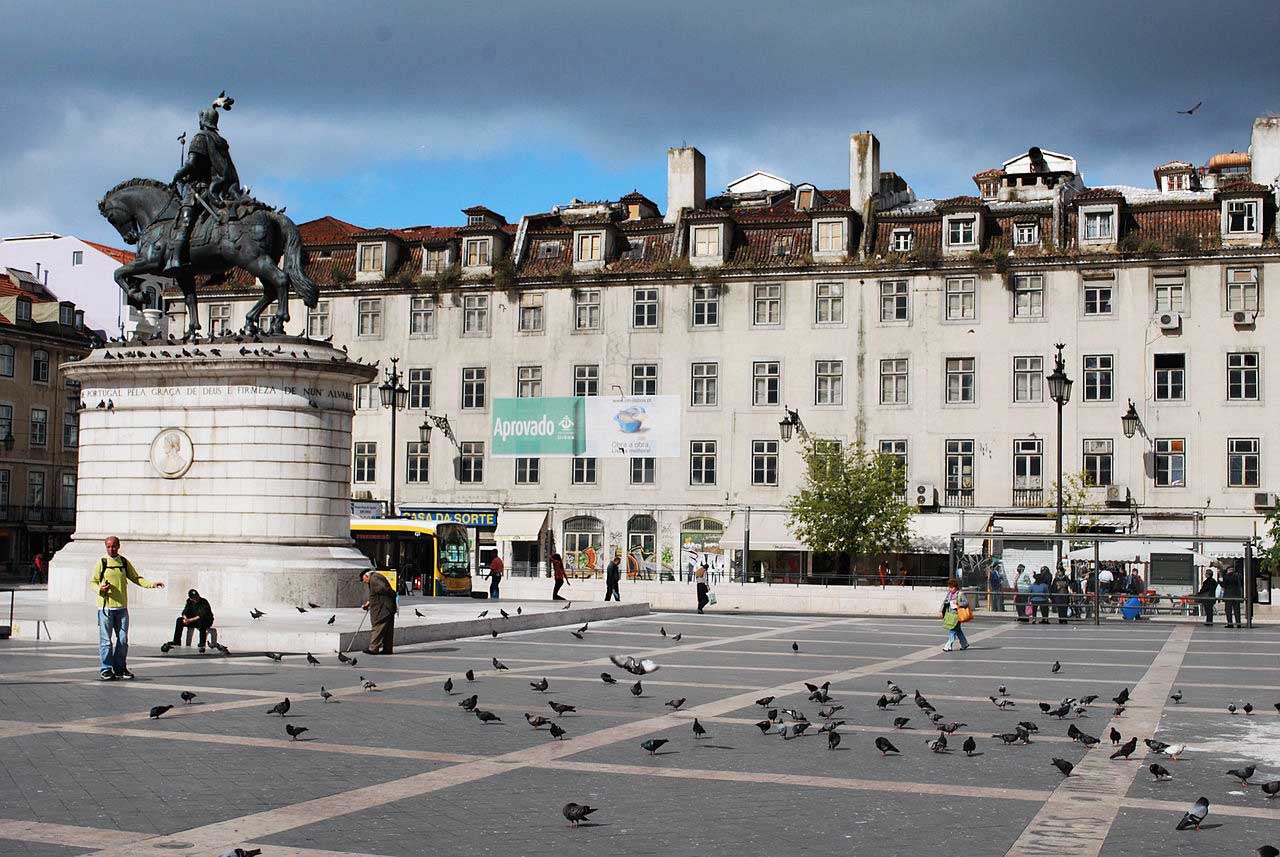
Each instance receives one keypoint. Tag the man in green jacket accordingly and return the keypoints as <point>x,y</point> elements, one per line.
<point>111,579</point>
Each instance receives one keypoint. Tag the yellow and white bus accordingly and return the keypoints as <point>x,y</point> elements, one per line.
<point>427,555</point>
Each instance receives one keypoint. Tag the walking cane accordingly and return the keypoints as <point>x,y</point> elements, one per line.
<point>357,633</point>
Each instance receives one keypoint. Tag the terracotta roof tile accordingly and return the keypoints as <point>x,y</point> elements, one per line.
<point>1097,193</point>
<point>124,257</point>
<point>1244,187</point>
<point>326,230</point>
<point>989,174</point>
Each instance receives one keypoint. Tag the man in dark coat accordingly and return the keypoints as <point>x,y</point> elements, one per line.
<point>612,574</point>
<point>1232,582</point>
<point>382,613</point>
<point>197,614</point>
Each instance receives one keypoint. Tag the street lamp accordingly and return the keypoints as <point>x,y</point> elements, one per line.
<point>1060,392</point>
<point>394,396</point>
<point>1131,421</point>
<point>424,433</point>
<point>791,422</point>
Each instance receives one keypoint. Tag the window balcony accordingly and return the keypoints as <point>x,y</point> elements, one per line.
<point>1028,498</point>
<point>959,497</point>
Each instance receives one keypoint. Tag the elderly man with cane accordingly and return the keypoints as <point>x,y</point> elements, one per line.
<point>381,605</point>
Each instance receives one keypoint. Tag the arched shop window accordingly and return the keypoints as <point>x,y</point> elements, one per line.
<point>642,535</point>
<point>583,542</point>
<point>700,542</point>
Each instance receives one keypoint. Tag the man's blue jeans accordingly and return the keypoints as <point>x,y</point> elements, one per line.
<point>114,620</point>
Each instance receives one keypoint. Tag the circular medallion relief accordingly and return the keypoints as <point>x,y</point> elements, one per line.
<point>172,453</point>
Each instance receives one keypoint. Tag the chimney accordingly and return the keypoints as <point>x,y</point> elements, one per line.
<point>864,169</point>
<point>1264,151</point>
<point>686,181</point>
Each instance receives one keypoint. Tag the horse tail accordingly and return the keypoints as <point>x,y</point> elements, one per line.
<point>302,285</point>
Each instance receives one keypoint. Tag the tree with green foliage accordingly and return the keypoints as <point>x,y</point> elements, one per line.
<point>851,502</point>
<point>1077,512</point>
<point>1270,557</point>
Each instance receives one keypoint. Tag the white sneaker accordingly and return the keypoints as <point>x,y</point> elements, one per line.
<point>947,647</point>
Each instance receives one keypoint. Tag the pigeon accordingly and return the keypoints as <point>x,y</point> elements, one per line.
<point>294,731</point>
<point>1126,749</point>
<point>1064,766</point>
<point>331,619</point>
<point>470,674</point>
<point>1159,772</point>
<point>583,629</point>
<point>653,745</point>
<point>830,726</point>
<point>1194,816</point>
<point>256,613</point>
<point>935,717</point>
<point>1231,707</point>
<point>1045,707</point>
<point>882,703</point>
<point>313,605</point>
<point>793,714</point>
<point>499,665</point>
<point>418,613</point>
<point>772,714</point>
<point>187,696</point>
<point>448,685</point>
<point>764,701</point>
<point>576,634</point>
<point>567,605</point>
<point>698,729</point>
<point>900,722</point>
<point>1057,667</point>
<point>324,694</point>
<point>1268,851</point>
<point>795,647</point>
<point>519,610</point>
<point>537,722</point>
<point>1243,774</point>
<point>1028,726</point>
<point>676,638</point>
<point>494,633</point>
<point>281,708</point>
<point>541,685</point>
<point>1176,696</point>
<point>1154,745</point>
<point>1088,700</point>
<point>311,659</point>
<point>1002,690</point>
<point>833,740</point>
<point>950,728</point>
<point>826,712</point>
<point>1173,751</point>
<point>1073,733</point>
<point>275,656</point>
<point>793,730</point>
<point>969,746</point>
<point>608,679</point>
<point>368,685</point>
<point>893,688</point>
<point>662,630</point>
<point>1122,697</point>
<point>938,745</point>
<point>636,689</point>
<point>1248,708</point>
<point>557,732</point>
<point>1271,789</point>
<point>504,613</point>
<point>165,647</point>
<point>1190,112</point>
<point>469,704</point>
<point>764,726</point>
<point>674,704</point>
<point>560,708</point>
<point>1010,737</point>
<point>885,746</point>
<point>343,659</point>
<point>483,613</point>
<point>157,710</point>
<point>301,609</point>
<point>487,716</point>
<point>1088,740</point>
<point>1002,704</point>
<point>577,813</point>
<point>1119,711</point>
<point>633,666</point>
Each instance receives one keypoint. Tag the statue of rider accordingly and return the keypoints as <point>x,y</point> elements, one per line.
<point>208,174</point>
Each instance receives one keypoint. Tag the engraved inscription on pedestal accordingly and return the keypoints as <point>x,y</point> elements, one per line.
<point>172,453</point>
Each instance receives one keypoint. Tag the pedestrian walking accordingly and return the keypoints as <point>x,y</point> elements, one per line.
<point>1232,583</point>
<point>953,605</point>
<point>1040,595</point>
<point>1061,595</point>
<point>1022,581</point>
<point>1207,594</point>
<point>496,570</point>
<point>111,579</point>
<point>381,605</point>
<point>39,568</point>
<point>197,615</point>
<point>997,584</point>
<point>557,569</point>
<point>612,574</point>
<point>700,579</point>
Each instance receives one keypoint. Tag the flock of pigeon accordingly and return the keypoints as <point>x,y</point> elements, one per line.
<point>790,723</point>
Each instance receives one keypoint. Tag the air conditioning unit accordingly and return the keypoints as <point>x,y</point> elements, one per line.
<point>1169,320</point>
<point>362,495</point>
<point>1243,318</point>
<point>1264,500</point>
<point>925,496</point>
<point>1117,495</point>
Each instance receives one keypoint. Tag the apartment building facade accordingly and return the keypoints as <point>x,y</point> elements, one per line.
<point>922,328</point>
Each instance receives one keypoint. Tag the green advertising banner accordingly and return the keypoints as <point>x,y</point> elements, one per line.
<point>545,427</point>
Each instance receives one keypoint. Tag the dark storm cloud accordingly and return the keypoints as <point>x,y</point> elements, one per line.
<point>334,90</point>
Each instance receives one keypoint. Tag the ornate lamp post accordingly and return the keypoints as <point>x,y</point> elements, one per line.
<point>394,396</point>
<point>791,422</point>
<point>1131,422</point>
<point>1060,392</point>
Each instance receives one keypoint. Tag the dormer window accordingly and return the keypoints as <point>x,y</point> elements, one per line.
<point>1099,225</point>
<point>590,247</point>
<point>67,315</point>
<point>24,309</point>
<point>706,241</point>
<point>901,240</point>
<point>79,319</point>
<point>804,199</point>
<point>1242,216</point>
<point>829,236</point>
<point>475,219</point>
<point>434,261</point>
<point>1026,234</point>
<point>1178,181</point>
<point>372,257</point>
<point>549,250</point>
<point>960,231</point>
<point>476,252</point>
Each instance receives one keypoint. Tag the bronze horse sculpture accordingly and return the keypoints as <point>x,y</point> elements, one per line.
<point>254,238</point>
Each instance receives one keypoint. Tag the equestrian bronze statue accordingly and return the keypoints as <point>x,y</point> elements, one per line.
<point>204,224</point>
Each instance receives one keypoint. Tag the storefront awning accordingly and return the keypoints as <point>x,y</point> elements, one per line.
<point>520,525</point>
<point>930,532</point>
<point>769,532</point>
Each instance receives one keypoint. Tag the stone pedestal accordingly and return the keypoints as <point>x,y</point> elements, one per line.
<point>222,466</point>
